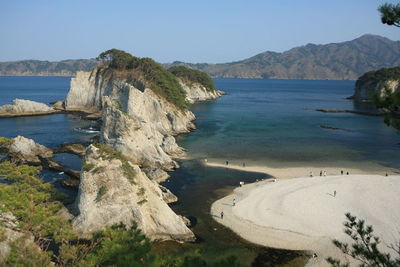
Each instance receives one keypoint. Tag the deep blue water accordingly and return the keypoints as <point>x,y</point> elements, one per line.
<point>41,89</point>
<point>48,130</point>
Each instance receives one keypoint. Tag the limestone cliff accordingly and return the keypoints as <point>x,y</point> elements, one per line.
<point>197,92</point>
<point>138,125</point>
<point>114,190</point>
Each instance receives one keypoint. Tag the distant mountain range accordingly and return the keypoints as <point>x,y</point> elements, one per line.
<point>335,61</point>
<point>46,68</point>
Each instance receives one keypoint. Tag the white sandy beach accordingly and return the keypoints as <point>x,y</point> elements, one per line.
<point>289,171</point>
<point>303,214</point>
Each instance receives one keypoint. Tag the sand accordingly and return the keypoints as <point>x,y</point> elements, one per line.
<point>290,170</point>
<point>303,213</point>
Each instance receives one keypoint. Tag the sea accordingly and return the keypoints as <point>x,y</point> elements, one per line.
<point>262,121</point>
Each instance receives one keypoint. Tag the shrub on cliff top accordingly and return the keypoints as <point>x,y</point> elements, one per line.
<point>161,81</point>
<point>383,74</point>
<point>193,75</point>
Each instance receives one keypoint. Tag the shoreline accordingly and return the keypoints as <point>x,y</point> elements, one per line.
<point>284,233</point>
<point>291,171</point>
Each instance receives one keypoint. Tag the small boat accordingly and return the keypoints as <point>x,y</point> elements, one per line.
<point>87,130</point>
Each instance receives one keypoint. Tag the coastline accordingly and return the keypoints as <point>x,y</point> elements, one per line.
<point>290,171</point>
<point>280,235</point>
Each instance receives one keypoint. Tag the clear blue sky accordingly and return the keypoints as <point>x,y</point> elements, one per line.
<point>185,30</point>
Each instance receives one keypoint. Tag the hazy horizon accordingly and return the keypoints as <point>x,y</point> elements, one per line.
<point>200,32</point>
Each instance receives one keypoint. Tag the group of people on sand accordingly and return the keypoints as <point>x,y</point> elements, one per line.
<point>324,173</point>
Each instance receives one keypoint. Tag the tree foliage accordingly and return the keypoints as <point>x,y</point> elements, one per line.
<point>36,204</point>
<point>161,81</point>
<point>390,14</point>
<point>365,248</point>
<point>193,75</point>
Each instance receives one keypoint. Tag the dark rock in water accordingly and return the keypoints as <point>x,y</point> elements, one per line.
<point>73,148</point>
<point>332,128</point>
<point>349,111</point>
<point>52,165</point>
<point>73,174</point>
<point>55,166</point>
<point>70,183</point>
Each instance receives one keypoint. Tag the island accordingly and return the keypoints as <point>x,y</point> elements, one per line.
<point>142,106</point>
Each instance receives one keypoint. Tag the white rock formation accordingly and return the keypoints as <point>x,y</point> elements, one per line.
<point>196,92</point>
<point>21,106</point>
<point>115,190</point>
<point>25,150</point>
<point>139,124</point>
<point>134,137</point>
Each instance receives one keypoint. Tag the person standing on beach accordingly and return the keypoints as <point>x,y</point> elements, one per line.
<point>347,173</point>
<point>227,162</point>
<point>324,173</point>
<point>334,193</point>
<point>222,215</point>
<point>341,172</point>
<point>320,173</point>
<point>311,174</point>
<point>233,203</point>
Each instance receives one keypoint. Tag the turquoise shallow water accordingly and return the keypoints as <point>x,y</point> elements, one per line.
<point>276,121</point>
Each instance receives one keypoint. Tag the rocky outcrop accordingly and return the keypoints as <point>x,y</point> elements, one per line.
<point>114,190</point>
<point>135,138</point>
<point>25,150</point>
<point>138,125</point>
<point>21,107</point>
<point>377,84</point>
<point>365,91</point>
<point>167,195</point>
<point>196,92</point>
<point>73,148</point>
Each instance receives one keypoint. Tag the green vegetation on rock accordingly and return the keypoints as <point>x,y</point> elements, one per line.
<point>36,206</point>
<point>193,75</point>
<point>387,99</point>
<point>108,152</point>
<point>102,191</point>
<point>87,166</point>
<point>376,76</point>
<point>157,78</point>
<point>5,143</point>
